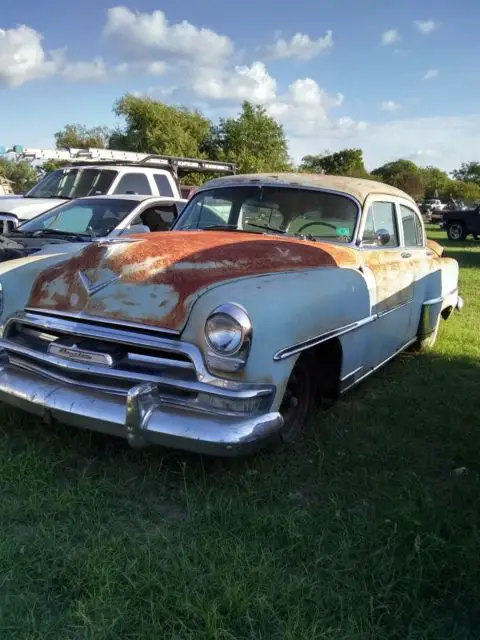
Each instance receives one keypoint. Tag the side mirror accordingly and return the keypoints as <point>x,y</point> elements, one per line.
<point>382,236</point>
<point>135,228</point>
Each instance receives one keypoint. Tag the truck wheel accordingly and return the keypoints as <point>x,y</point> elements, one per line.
<point>456,231</point>
<point>297,401</point>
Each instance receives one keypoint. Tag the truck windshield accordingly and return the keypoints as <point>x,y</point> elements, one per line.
<point>287,210</point>
<point>74,182</point>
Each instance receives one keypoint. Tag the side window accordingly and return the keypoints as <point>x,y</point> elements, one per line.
<point>412,228</point>
<point>134,183</point>
<point>158,218</point>
<point>163,185</point>
<point>380,217</point>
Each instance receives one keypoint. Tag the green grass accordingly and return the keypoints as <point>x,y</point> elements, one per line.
<point>363,530</point>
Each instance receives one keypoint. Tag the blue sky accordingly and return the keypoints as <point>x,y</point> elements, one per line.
<point>397,79</point>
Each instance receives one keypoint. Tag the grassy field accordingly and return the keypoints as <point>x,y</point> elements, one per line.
<point>366,529</point>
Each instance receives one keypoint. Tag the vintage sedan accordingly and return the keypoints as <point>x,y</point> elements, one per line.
<point>271,292</point>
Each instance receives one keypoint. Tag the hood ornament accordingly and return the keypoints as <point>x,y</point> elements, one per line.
<point>94,287</point>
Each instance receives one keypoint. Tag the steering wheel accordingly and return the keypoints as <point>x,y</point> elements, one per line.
<point>311,224</point>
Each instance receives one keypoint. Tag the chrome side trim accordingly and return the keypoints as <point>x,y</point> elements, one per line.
<point>105,321</point>
<point>440,298</point>
<point>378,366</point>
<point>380,314</point>
<point>292,350</point>
<point>351,373</point>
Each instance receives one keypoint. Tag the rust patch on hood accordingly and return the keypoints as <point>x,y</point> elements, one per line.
<point>156,279</point>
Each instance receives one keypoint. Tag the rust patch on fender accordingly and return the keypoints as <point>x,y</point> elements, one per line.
<point>175,267</point>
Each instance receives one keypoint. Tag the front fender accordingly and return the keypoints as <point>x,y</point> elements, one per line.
<point>285,309</point>
<point>17,277</point>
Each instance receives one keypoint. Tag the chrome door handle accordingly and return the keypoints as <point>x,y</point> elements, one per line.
<point>406,254</point>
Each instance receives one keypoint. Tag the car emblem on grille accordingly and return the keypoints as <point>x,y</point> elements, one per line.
<point>93,288</point>
<point>80,355</point>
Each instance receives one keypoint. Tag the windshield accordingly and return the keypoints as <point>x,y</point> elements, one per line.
<point>74,183</point>
<point>273,209</point>
<point>82,216</point>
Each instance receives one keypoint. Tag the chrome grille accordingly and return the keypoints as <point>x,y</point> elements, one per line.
<point>125,357</point>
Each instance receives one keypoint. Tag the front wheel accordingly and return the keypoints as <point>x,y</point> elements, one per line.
<point>456,231</point>
<point>297,402</point>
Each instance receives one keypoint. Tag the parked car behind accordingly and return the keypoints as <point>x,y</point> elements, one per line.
<point>83,220</point>
<point>460,223</point>
<point>102,172</point>
<point>272,291</point>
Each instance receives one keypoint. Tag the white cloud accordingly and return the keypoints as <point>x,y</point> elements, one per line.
<point>302,47</point>
<point>431,73</point>
<point>23,58</point>
<point>252,83</point>
<point>92,71</point>
<point>389,105</point>
<point>446,141</point>
<point>390,37</point>
<point>304,111</point>
<point>425,26</point>
<point>149,37</point>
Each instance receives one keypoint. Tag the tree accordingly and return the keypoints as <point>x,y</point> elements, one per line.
<point>22,174</point>
<point>79,136</point>
<point>435,181</point>
<point>53,165</point>
<point>468,191</point>
<point>468,172</point>
<point>253,140</point>
<point>154,127</point>
<point>347,162</point>
<point>403,174</point>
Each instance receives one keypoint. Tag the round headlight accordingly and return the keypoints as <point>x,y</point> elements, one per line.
<point>227,329</point>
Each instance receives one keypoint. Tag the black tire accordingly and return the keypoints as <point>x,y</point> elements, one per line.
<point>456,231</point>
<point>298,400</point>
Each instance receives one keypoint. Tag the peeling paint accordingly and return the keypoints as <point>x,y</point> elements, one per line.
<point>175,267</point>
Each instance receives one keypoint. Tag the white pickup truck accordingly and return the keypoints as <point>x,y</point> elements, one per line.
<point>101,172</point>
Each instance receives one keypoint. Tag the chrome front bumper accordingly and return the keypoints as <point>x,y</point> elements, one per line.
<point>141,417</point>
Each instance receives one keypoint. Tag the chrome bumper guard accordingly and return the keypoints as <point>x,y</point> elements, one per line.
<point>205,415</point>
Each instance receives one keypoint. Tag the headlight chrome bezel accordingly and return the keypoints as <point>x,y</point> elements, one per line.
<point>234,359</point>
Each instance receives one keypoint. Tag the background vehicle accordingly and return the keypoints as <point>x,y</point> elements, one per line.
<point>85,219</point>
<point>461,223</point>
<point>103,172</point>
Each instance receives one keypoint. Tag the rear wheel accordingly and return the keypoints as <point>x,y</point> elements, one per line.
<point>426,343</point>
<point>456,231</point>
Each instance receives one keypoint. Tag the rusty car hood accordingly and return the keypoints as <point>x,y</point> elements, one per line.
<point>154,279</point>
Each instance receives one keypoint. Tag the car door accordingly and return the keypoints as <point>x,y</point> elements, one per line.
<point>385,258</point>
<point>415,248</point>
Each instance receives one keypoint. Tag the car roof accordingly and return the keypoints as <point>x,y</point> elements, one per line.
<point>140,197</point>
<point>358,188</point>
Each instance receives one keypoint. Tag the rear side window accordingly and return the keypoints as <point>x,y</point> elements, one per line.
<point>412,228</point>
<point>134,183</point>
<point>380,217</point>
<point>163,185</point>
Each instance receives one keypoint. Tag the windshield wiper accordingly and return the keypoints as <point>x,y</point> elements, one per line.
<point>266,228</point>
<point>79,237</point>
